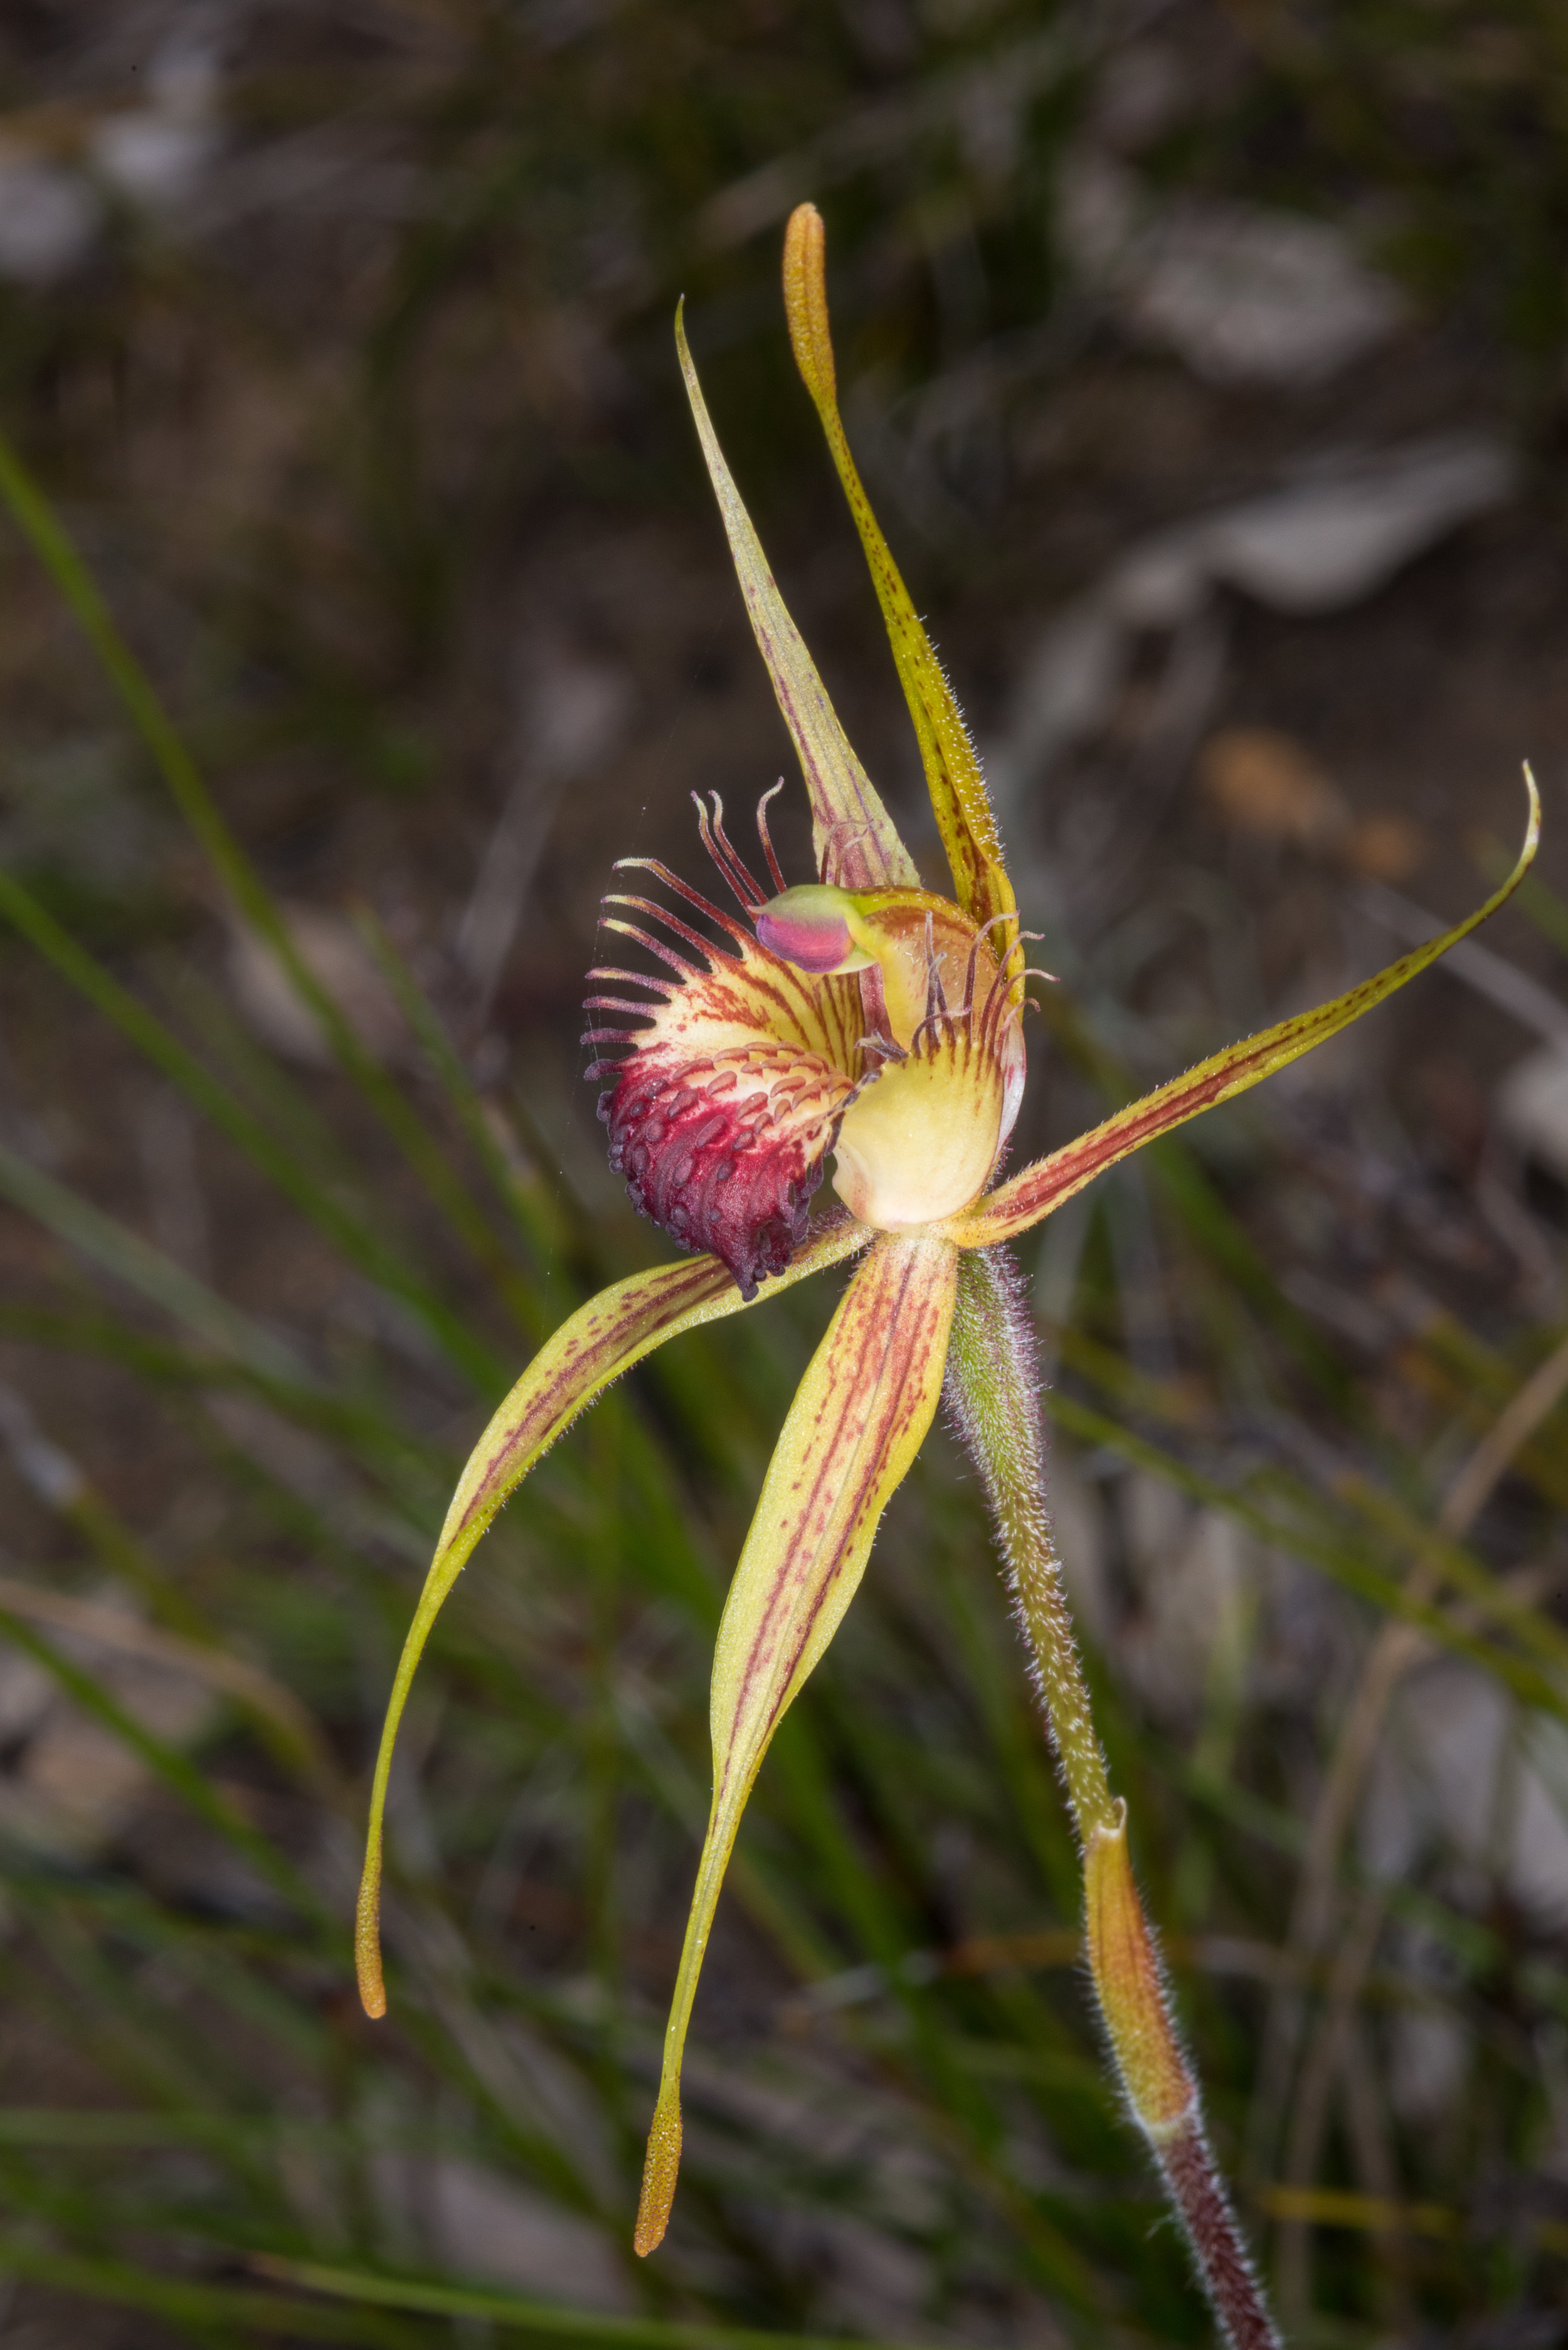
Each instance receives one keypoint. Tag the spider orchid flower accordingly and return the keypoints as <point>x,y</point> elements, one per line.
<point>862,1016</point>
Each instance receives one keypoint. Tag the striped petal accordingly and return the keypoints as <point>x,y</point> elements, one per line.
<point>1013,1206</point>
<point>953,774</point>
<point>855,1426</point>
<point>854,836</point>
<point>600,1341</point>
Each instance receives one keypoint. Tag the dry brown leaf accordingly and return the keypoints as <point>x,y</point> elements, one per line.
<point>1262,782</point>
<point>1385,847</point>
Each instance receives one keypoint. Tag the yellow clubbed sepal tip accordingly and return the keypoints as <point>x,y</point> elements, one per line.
<point>805,301</point>
<point>660,2170</point>
<point>367,1941</point>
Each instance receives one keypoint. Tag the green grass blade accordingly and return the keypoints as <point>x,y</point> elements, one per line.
<point>109,1244</point>
<point>375,1257</point>
<point>511,2309</point>
<point>177,1771</point>
<point>531,1207</point>
<point>1357,1574</point>
<point>183,2301</point>
<point>32,512</point>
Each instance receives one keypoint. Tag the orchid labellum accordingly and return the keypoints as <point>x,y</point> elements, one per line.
<point>863,1017</point>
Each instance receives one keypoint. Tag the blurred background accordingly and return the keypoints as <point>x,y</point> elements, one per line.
<point>1205,359</point>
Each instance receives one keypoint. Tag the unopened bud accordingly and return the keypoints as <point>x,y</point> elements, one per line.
<point>1127,1978</point>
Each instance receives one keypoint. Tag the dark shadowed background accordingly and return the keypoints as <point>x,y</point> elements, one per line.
<point>1207,364</point>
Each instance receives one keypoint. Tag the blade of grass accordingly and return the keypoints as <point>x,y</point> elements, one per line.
<point>108,1244</point>
<point>278,1374</point>
<point>1380,1511</point>
<point>104,1241</point>
<point>1208,1221</point>
<point>40,525</point>
<point>178,1772</point>
<point>1525,1621</point>
<point>376,1436</point>
<point>1465,1376</point>
<point>88,1998</point>
<point>530,1207</point>
<point>185,2303</point>
<point>512,2310</point>
<point>381,1260</point>
<point>258,1693</point>
<point>1357,1574</point>
<point>194,1007</point>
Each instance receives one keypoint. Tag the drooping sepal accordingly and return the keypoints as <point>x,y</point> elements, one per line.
<point>857,1422</point>
<point>592,1348</point>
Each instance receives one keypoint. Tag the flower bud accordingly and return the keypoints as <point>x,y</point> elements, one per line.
<point>1125,1968</point>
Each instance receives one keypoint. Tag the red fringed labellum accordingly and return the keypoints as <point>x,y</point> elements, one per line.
<point>724,1151</point>
<point>727,1102</point>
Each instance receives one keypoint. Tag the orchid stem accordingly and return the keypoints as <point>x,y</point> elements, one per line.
<point>993,1393</point>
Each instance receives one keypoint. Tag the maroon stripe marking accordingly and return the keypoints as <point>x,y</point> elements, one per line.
<point>687,1285</point>
<point>868,1304</point>
<point>636,1317</point>
<point>877,1438</point>
<point>1030,1192</point>
<point>891,1393</point>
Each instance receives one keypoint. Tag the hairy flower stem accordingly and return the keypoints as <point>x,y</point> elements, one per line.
<point>993,1394</point>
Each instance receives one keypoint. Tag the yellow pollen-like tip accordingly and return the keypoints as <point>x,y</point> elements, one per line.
<point>660,2168</point>
<point>805,300</point>
<point>368,1944</point>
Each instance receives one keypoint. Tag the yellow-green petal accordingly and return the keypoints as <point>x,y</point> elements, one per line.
<point>855,841</point>
<point>857,1422</point>
<point>953,776</point>
<point>601,1340</point>
<point>1032,1193</point>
